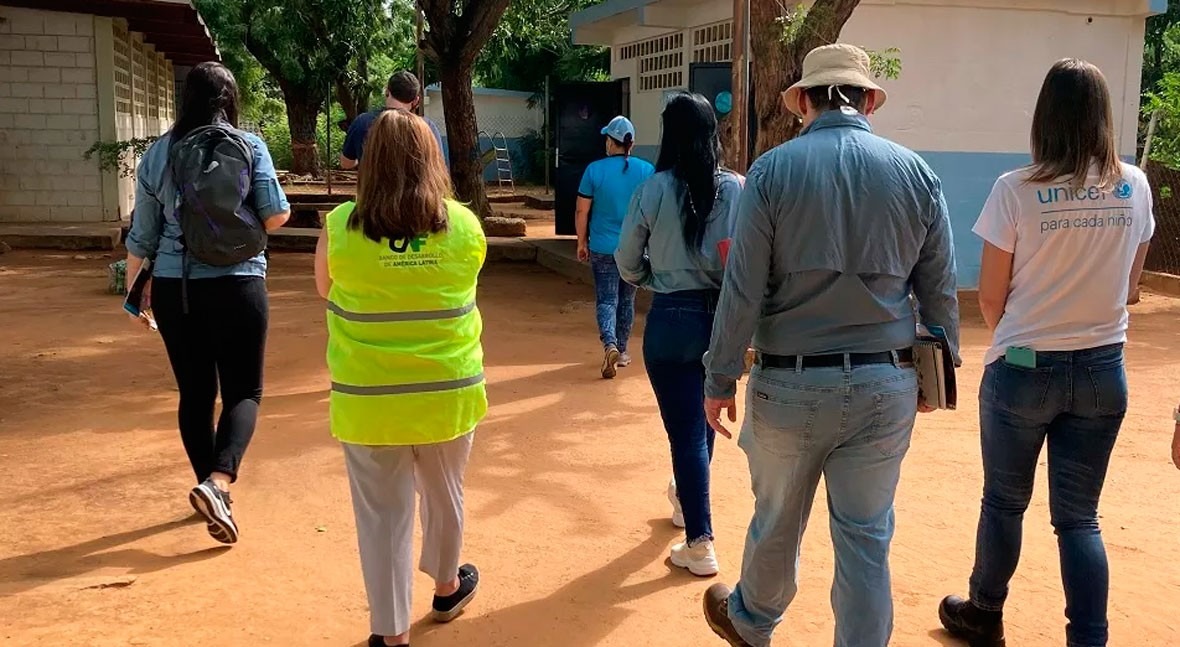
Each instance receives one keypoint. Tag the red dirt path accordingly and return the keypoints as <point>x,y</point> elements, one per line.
<point>567,516</point>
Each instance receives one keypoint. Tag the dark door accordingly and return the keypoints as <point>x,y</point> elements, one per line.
<point>715,82</point>
<point>581,110</point>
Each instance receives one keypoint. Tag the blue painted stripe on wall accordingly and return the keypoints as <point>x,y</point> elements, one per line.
<point>521,164</point>
<point>1158,7</point>
<point>967,180</point>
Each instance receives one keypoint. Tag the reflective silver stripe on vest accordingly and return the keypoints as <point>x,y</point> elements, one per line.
<point>402,389</point>
<point>382,317</point>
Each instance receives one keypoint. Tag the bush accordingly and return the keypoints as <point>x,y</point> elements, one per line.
<point>277,135</point>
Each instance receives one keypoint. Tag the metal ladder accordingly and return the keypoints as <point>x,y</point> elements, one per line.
<point>503,159</point>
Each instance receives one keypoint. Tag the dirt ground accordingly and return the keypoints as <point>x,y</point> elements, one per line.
<point>566,511</point>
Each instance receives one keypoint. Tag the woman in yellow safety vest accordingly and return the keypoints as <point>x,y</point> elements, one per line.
<point>399,269</point>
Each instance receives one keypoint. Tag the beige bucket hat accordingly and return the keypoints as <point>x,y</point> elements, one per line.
<point>839,64</point>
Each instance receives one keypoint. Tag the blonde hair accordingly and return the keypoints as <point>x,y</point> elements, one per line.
<point>404,183</point>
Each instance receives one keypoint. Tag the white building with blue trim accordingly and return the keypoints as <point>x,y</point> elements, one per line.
<point>971,72</point>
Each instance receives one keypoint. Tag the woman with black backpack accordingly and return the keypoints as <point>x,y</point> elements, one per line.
<point>208,293</point>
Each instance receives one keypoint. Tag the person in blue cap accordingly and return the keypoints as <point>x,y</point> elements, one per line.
<point>603,198</point>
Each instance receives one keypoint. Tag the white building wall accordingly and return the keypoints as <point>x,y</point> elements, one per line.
<point>971,75</point>
<point>495,110</point>
<point>145,96</point>
<point>971,69</point>
<point>48,117</point>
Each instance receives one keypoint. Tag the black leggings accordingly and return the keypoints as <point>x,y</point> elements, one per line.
<point>222,340</point>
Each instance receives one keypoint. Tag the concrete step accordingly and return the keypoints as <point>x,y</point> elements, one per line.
<point>64,236</point>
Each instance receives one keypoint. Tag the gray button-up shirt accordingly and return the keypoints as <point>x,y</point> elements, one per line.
<point>834,231</point>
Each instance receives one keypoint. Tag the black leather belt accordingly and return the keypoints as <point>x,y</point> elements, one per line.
<point>904,356</point>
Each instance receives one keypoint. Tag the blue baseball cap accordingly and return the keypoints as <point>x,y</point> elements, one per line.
<point>619,128</point>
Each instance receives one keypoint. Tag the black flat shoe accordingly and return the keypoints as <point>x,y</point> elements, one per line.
<point>379,641</point>
<point>446,609</point>
<point>964,620</point>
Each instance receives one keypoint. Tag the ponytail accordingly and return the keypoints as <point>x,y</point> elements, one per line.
<point>628,144</point>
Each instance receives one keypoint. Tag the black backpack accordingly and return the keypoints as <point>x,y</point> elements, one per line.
<point>212,167</point>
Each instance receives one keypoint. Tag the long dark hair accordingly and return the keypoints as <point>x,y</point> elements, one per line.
<point>1073,126</point>
<point>403,185</point>
<point>691,150</point>
<point>210,95</point>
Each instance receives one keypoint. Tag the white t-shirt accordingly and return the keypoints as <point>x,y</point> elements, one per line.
<point>1072,255</point>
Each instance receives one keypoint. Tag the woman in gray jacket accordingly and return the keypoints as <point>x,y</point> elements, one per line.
<point>670,245</point>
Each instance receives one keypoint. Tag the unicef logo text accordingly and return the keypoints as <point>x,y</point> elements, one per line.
<point>1123,190</point>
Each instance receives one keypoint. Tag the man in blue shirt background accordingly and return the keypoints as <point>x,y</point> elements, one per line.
<point>603,198</point>
<point>403,92</point>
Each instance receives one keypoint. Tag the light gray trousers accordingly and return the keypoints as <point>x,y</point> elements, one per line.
<point>383,480</point>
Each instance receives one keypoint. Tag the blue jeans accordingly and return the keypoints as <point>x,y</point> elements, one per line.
<point>1076,401</point>
<point>853,427</point>
<point>615,301</point>
<point>675,339</point>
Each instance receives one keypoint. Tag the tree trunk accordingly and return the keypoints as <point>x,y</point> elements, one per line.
<point>353,93</point>
<point>462,138</point>
<point>778,64</point>
<point>301,119</point>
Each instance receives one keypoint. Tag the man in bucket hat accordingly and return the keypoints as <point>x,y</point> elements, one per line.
<point>835,230</point>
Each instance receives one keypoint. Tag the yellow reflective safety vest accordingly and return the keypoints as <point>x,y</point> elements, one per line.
<point>404,332</point>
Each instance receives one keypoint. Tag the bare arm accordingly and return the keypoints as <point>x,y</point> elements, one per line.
<point>582,223</point>
<point>348,164</point>
<point>995,279</point>
<point>278,220</point>
<point>1137,273</point>
<point>323,280</point>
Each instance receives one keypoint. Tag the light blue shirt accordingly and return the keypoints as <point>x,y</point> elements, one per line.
<point>652,251</point>
<point>156,231</point>
<point>834,231</point>
<point>610,188</point>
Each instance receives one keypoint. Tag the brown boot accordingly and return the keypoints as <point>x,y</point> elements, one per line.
<point>717,615</point>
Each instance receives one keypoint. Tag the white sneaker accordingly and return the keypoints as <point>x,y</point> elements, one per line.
<point>624,359</point>
<point>699,558</point>
<point>677,511</point>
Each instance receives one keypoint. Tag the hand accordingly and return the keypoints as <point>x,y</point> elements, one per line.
<point>713,409</point>
<point>1134,297</point>
<point>925,408</point>
<point>583,252</point>
<point>1176,447</point>
<point>141,321</point>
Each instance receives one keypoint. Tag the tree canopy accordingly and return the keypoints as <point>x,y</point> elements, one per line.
<point>533,41</point>
<point>309,48</point>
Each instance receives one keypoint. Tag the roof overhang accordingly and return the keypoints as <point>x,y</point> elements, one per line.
<point>600,24</point>
<point>173,26</point>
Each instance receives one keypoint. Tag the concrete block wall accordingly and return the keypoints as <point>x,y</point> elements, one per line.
<point>48,117</point>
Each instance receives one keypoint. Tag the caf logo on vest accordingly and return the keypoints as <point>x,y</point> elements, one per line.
<point>401,245</point>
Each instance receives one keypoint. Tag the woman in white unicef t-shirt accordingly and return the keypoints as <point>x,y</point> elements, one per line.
<point>1065,240</point>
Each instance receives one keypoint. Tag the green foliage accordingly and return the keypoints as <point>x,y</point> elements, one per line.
<point>119,156</point>
<point>1165,146</point>
<point>1162,97</point>
<point>277,135</point>
<point>883,64</point>
<point>532,41</point>
<point>1161,50</point>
